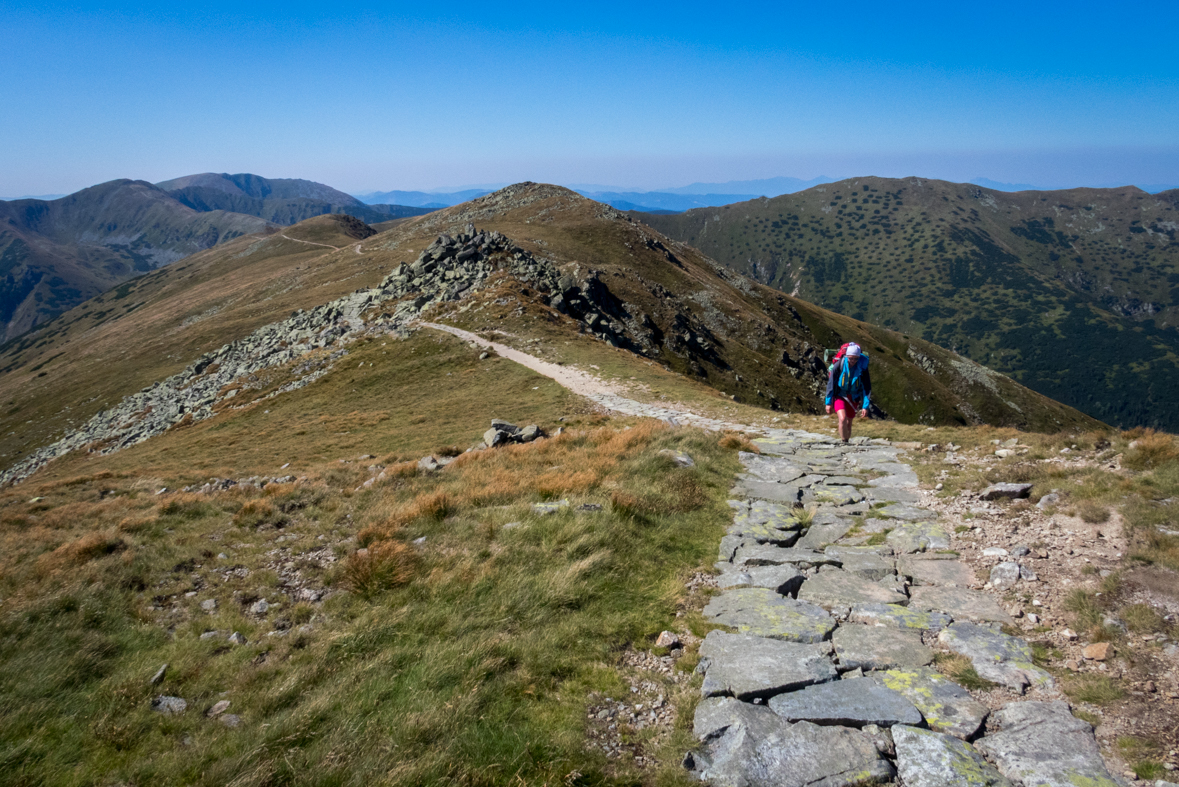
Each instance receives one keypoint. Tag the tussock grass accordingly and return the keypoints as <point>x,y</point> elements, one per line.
<point>962,671</point>
<point>1092,688</point>
<point>1150,450</point>
<point>382,566</point>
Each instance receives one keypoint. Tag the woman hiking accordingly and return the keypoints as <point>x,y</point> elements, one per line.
<point>849,388</point>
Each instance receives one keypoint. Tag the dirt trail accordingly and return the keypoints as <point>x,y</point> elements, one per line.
<point>313,243</point>
<point>585,384</point>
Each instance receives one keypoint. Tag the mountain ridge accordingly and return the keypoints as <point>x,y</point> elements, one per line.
<point>569,270</point>
<point>1041,285</point>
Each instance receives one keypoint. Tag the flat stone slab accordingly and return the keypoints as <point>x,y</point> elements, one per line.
<point>834,588</point>
<point>764,613</point>
<point>834,495</point>
<point>761,532</point>
<point>930,759</point>
<point>960,603</point>
<point>754,752</point>
<point>918,537</point>
<point>934,571</point>
<point>1043,744</point>
<point>748,667</point>
<point>819,536</point>
<point>843,480</point>
<point>851,703</point>
<point>765,555</point>
<point>892,494</point>
<point>946,706</point>
<point>1005,492</point>
<point>866,562</point>
<point>996,657</point>
<point>906,513</point>
<point>896,616</point>
<point>779,471</point>
<point>784,579</point>
<point>768,490</point>
<point>878,648</point>
<point>716,714</point>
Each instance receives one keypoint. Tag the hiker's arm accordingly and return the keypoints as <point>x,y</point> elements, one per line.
<point>830,387</point>
<point>867,379</point>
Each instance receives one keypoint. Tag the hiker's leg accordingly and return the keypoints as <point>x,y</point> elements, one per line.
<point>845,419</point>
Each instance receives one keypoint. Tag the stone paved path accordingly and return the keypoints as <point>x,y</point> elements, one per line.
<point>825,680</point>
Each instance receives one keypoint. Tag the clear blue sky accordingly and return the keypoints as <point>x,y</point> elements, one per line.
<point>385,96</point>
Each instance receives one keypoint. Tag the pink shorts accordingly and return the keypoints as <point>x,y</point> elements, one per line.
<point>843,404</point>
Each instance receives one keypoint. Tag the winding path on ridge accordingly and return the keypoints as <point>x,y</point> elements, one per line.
<point>312,243</point>
<point>825,679</point>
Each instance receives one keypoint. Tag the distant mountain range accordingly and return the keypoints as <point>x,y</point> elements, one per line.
<point>279,200</point>
<point>1074,293</point>
<point>57,253</point>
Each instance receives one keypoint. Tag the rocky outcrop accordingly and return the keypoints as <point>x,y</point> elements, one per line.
<point>309,342</point>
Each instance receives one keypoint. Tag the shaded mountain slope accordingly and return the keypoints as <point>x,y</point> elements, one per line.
<point>599,286</point>
<point>1074,293</point>
<point>279,200</point>
<point>54,254</point>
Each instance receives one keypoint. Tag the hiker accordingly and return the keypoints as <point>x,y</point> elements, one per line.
<point>849,388</point>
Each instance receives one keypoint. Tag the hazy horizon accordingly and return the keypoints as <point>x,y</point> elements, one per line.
<point>367,98</point>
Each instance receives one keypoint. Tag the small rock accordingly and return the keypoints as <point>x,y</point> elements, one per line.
<point>667,639</point>
<point>484,356</point>
<point>1005,491</point>
<point>428,464</point>
<point>1098,651</point>
<point>1069,634</point>
<point>237,639</point>
<point>1004,576</point>
<point>420,541</point>
<point>159,676</point>
<point>230,720</point>
<point>994,552</point>
<point>218,709</point>
<point>1020,551</point>
<point>169,705</point>
<point>209,604</point>
<point>260,607</point>
<point>208,635</point>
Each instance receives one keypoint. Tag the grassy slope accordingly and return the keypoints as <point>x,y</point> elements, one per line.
<point>472,663</point>
<point>1070,291</point>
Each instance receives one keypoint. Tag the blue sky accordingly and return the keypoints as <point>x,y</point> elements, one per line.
<point>399,96</point>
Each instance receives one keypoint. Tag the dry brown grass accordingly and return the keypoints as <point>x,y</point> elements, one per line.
<point>1093,512</point>
<point>1150,449</point>
<point>82,550</point>
<point>735,441</point>
<point>379,567</point>
<point>429,506</point>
